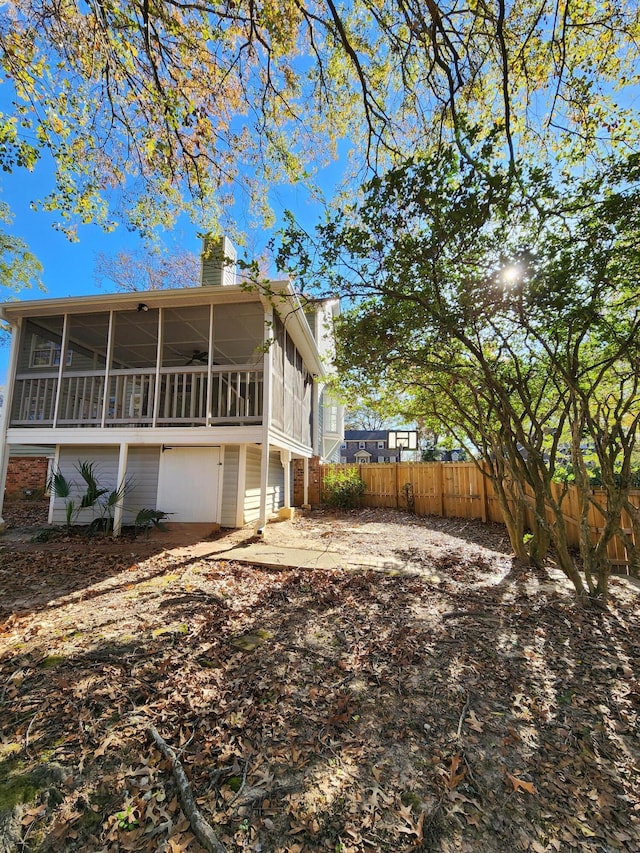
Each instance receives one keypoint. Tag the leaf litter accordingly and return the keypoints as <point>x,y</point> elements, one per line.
<point>319,710</point>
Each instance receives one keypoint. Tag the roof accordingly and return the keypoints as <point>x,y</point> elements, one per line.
<point>365,434</point>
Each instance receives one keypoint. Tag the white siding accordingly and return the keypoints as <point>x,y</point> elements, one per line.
<point>229,485</point>
<point>252,485</point>
<point>142,476</point>
<point>275,488</point>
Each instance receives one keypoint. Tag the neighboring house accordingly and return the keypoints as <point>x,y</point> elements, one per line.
<point>367,445</point>
<point>199,399</point>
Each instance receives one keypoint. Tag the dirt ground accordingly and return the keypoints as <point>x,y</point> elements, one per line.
<point>462,704</point>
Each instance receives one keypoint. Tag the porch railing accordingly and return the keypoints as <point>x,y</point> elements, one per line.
<point>182,396</point>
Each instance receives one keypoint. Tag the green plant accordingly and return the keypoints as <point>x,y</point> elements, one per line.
<point>108,506</point>
<point>343,489</point>
<point>61,488</point>
<point>96,497</point>
<point>147,518</point>
<point>127,818</point>
<point>93,491</point>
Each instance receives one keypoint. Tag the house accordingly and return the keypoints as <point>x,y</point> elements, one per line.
<point>198,399</point>
<point>367,445</point>
<point>362,446</point>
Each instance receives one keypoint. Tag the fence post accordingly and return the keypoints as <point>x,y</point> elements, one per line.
<point>397,486</point>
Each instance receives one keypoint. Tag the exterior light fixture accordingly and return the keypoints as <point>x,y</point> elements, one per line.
<point>142,306</point>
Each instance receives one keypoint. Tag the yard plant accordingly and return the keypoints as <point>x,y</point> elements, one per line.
<point>343,489</point>
<point>89,494</point>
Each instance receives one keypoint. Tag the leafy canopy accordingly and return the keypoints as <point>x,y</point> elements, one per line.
<point>150,108</point>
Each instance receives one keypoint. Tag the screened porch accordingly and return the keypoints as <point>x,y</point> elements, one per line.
<point>190,366</point>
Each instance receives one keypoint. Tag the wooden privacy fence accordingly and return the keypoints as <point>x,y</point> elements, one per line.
<point>459,490</point>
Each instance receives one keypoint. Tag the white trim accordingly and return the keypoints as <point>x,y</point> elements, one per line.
<point>316,414</point>
<point>137,435</point>
<point>285,459</point>
<point>264,485</point>
<point>159,347</point>
<point>209,368</point>
<point>285,442</point>
<point>242,484</point>
<point>266,420</point>
<point>107,368</point>
<point>123,459</point>
<point>63,356</point>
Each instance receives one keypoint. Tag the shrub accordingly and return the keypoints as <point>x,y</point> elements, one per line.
<point>101,500</point>
<point>343,489</point>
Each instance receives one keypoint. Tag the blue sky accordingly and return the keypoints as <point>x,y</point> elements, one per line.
<point>68,267</point>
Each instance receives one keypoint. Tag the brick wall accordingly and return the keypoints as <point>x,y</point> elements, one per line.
<point>25,472</point>
<point>314,481</point>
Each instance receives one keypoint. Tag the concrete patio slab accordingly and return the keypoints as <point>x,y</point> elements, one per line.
<point>275,556</point>
<point>255,552</point>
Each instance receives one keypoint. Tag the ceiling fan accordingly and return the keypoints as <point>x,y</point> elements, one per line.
<point>198,357</point>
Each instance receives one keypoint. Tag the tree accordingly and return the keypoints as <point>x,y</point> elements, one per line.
<point>150,269</point>
<point>369,414</point>
<point>19,268</point>
<point>504,306</point>
<point>147,109</point>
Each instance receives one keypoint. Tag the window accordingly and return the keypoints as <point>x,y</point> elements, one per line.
<point>343,460</point>
<point>381,445</point>
<point>343,446</point>
<point>46,353</point>
<point>381,459</point>
<point>361,445</point>
<point>330,417</point>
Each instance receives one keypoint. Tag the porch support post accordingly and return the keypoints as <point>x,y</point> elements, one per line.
<point>305,481</point>
<point>208,412</point>
<point>158,375</point>
<point>285,458</point>
<point>317,418</point>
<point>107,368</point>
<point>122,475</point>
<point>266,420</point>
<point>242,485</point>
<point>63,357</point>
<point>264,485</point>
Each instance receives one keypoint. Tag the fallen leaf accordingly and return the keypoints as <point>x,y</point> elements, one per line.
<point>521,784</point>
<point>453,777</point>
<point>473,722</point>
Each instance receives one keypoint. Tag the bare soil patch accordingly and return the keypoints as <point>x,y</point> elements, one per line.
<point>463,705</point>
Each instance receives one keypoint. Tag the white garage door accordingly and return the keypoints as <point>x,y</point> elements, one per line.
<point>188,483</point>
